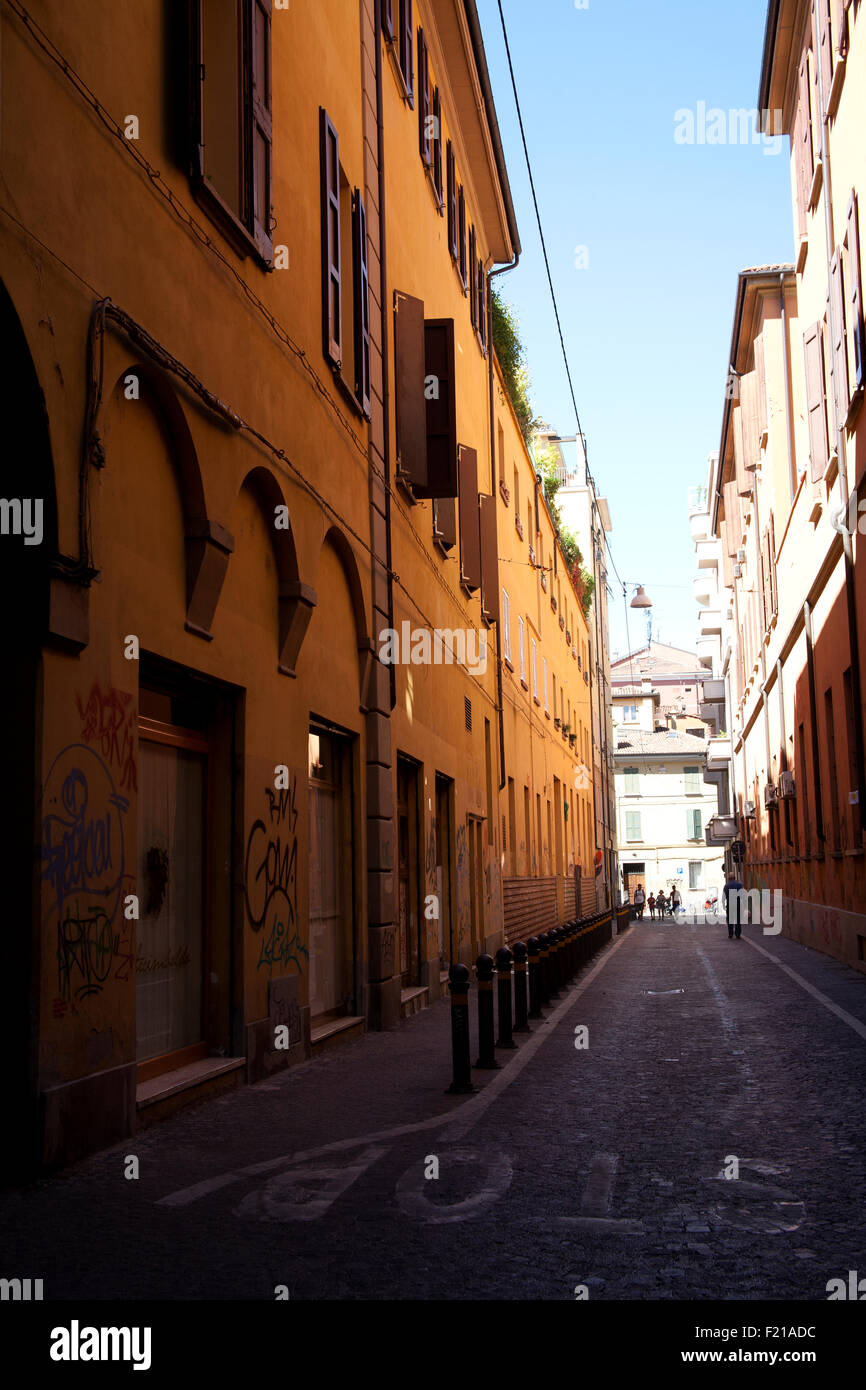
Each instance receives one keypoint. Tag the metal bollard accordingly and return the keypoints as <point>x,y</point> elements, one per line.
<point>544,967</point>
<point>458,984</point>
<point>484,970</point>
<point>503,970</point>
<point>567,952</point>
<point>534,978</point>
<point>555,963</point>
<point>521,1006</point>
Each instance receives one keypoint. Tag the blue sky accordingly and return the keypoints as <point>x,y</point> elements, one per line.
<point>667,225</point>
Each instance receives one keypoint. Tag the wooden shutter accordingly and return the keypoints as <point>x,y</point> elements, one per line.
<point>451,179</point>
<point>461,232</point>
<point>441,414</point>
<point>445,521</point>
<point>436,110</point>
<point>361,287</point>
<point>806,164</point>
<point>823,15</point>
<point>262,128</point>
<point>423,99</point>
<point>765,582</point>
<point>470,530</point>
<point>749,420</point>
<point>813,347</point>
<point>409,404</point>
<point>840,343</point>
<point>406,49</point>
<point>761,387</point>
<point>331,282</point>
<point>196,90</point>
<point>388,19</point>
<point>473,281</point>
<point>744,479</point>
<point>482,307</point>
<point>489,558</point>
<point>774,588</point>
<point>855,297</point>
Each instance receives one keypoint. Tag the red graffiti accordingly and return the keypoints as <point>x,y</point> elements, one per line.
<point>108,721</point>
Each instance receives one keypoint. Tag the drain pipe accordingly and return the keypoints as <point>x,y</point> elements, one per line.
<point>386,381</point>
<point>489,311</point>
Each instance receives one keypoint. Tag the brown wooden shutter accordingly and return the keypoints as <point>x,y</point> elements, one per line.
<point>262,128</point>
<point>441,403</point>
<point>744,479</point>
<point>388,19</point>
<point>423,99</point>
<point>774,590</point>
<point>806,162</point>
<point>406,48</point>
<point>840,343</point>
<point>331,283</point>
<point>436,110</point>
<point>461,232</point>
<point>855,297</point>
<point>749,420</point>
<point>470,531</point>
<point>473,281</point>
<point>489,557</point>
<point>761,387</point>
<point>813,347</point>
<point>196,90</point>
<point>482,306</point>
<point>451,178</point>
<point>733,529</point>
<point>445,521</point>
<point>823,7</point>
<point>409,404</point>
<point>362,303</point>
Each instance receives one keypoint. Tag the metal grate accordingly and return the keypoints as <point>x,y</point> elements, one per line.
<point>467,713</point>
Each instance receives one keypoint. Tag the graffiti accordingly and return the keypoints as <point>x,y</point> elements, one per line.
<point>271,862</point>
<point>281,946</point>
<point>108,720</point>
<point>84,954</point>
<point>149,965</point>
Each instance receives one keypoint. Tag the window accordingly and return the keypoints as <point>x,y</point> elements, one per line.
<point>534,666</point>
<point>629,714</point>
<point>231,121</point>
<point>388,20</point>
<point>632,781</point>
<point>544,679</point>
<point>521,634</point>
<point>481,299</point>
<point>506,625</point>
<point>424,127</point>
<point>854,302</point>
<point>331,960</point>
<point>473,278</point>
<point>436,140</point>
<point>451,185</point>
<point>694,781</point>
<point>632,825</point>
<point>345,289</point>
<point>816,400</point>
<point>461,236</point>
<point>694,826</point>
<point>695,872</point>
<point>406,56</point>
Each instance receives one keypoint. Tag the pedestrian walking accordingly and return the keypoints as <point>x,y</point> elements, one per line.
<point>733,906</point>
<point>651,904</point>
<point>639,900</point>
<point>675,902</point>
<point>661,904</point>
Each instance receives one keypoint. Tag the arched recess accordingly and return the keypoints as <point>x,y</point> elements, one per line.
<point>29,579</point>
<point>349,564</point>
<point>207,543</point>
<point>296,600</point>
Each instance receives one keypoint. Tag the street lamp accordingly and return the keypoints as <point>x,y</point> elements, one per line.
<point>643,600</point>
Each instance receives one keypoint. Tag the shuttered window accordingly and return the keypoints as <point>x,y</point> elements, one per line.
<point>388,19</point>
<point>694,825</point>
<point>805,159</point>
<point>482,306</point>
<point>632,781</point>
<point>409,403</point>
<point>461,233</point>
<point>440,409</point>
<point>506,625</point>
<point>436,139</point>
<point>632,826</point>
<point>761,388</point>
<point>693,781</point>
<point>816,404</point>
<point>424,100</point>
<point>744,478</point>
<point>489,558</point>
<point>533,665</point>
<point>521,640</point>
<point>473,287</point>
<point>855,299</point>
<point>331,278</point>
<point>470,529</point>
<point>771,555</point>
<point>406,50</point>
<point>445,522</point>
<point>230,119</point>
<point>361,288</point>
<point>823,8</point>
<point>451,180</point>
<point>544,682</point>
<point>749,417</point>
<point>836,294</point>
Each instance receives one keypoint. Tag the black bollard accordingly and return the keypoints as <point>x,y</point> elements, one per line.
<point>555,977</point>
<point>521,1005</point>
<point>503,970</point>
<point>484,970</point>
<point>534,980</point>
<point>458,984</point>
<point>569,951</point>
<point>543,968</point>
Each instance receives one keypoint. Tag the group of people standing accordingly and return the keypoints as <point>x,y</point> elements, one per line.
<point>656,902</point>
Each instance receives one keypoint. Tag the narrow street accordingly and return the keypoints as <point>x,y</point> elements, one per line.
<point>602,1167</point>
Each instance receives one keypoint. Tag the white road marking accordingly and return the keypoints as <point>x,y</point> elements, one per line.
<point>598,1192</point>
<point>412,1188</point>
<point>305,1193</point>
<point>859,1028</point>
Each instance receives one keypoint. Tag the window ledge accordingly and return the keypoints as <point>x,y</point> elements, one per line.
<point>347,393</point>
<point>524,682</point>
<point>509,663</point>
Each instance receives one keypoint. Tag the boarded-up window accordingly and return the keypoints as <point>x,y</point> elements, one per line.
<point>489,558</point>
<point>470,530</point>
<point>441,409</point>
<point>855,298</point>
<point>409,403</point>
<point>816,403</point>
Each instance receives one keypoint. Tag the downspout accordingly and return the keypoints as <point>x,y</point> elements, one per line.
<point>813,719</point>
<point>386,384</point>
<point>847,541</point>
<point>489,311</point>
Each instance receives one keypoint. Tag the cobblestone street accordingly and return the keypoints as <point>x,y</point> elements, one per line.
<point>603,1167</point>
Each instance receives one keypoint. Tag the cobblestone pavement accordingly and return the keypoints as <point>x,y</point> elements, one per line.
<point>601,1166</point>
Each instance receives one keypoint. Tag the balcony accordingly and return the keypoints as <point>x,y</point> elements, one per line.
<point>705,587</point>
<point>710,621</point>
<point>698,500</point>
<point>699,525</point>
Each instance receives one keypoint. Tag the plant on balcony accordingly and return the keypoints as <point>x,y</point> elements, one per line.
<point>547,461</point>
<point>511,355</point>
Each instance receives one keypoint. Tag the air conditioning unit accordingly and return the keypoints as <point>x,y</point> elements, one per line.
<point>741,555</point>
<point>771,795</point>
<point>786,785</point>
<point>738,571</point>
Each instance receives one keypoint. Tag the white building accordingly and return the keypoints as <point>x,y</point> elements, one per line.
<point>663,807</point>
